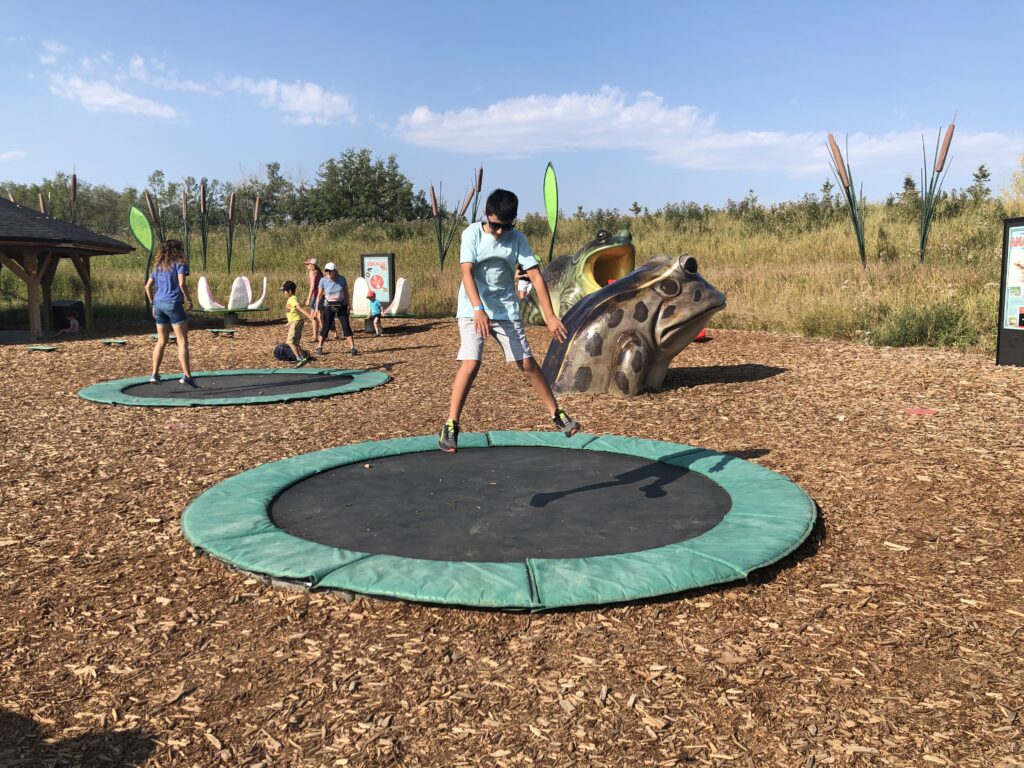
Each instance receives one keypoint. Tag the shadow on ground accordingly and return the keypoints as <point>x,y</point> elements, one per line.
<point>682,378</point>
<point>23,743</point>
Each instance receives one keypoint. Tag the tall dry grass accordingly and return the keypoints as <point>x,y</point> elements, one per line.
<point>807,282</point>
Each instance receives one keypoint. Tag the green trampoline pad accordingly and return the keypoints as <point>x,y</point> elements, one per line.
<point>235,387</point>
<point>515,520</point>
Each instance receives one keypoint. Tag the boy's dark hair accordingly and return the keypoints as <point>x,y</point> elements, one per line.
<point>288,286</point>
<point>503,204</point>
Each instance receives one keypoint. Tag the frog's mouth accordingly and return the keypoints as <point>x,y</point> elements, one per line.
<point>669,335</point>
<point>606,265</point>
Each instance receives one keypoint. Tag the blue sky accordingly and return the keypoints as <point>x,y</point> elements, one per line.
<point>662,102</point>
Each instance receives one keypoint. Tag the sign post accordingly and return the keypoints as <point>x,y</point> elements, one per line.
<point>1010,332</point>
<point>379,273</point>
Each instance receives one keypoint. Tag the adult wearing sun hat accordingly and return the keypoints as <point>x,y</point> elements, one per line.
<point>313,278</point>
<point>332,292</point>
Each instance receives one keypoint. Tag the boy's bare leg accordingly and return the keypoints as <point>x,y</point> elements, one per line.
<point>540,385</point>
<point>464,378</point>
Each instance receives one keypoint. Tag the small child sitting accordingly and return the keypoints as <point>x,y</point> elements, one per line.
<point>73,326</point>
<point>375,313</point>
<point>294,312</point>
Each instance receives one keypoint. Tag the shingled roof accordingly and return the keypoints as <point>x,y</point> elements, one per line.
<point>25,227</point>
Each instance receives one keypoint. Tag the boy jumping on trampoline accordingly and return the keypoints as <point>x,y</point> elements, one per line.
<point>293,314</point>
<point>491,250</point>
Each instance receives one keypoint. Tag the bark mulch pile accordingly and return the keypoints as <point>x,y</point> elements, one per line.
<point>894,636</point>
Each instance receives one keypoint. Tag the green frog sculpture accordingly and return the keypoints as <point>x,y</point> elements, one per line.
<point>569,278</point>
<point>623,337</point>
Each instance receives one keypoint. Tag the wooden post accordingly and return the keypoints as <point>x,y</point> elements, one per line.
<point>35,325</point>
<point>82,267</point>
<point>27,275</point>
<point>47,270</point>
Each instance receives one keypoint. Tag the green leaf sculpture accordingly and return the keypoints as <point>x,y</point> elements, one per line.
<point>140,227</point>
<point>551,204</point>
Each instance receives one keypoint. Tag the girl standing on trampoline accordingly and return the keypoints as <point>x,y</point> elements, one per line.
<point>332,293</point>
<point>169,303</point>
<point>491,251</point>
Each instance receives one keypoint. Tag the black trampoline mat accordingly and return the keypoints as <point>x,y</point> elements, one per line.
<point>239,385</point>
<point>501,504</point>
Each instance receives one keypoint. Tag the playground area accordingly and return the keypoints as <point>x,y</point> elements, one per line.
<point>891,636</point>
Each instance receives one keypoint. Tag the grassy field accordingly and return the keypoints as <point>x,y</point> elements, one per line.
<point>776,279</point>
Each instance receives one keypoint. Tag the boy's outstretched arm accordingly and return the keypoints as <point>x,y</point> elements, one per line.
<point>544,300</point>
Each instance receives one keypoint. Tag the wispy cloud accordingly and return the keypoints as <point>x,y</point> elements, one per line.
<point>302,103</point>
<point>12,155</point>
<point>104,96</point>
<point>684,136</point>
<point>52,51</point>
<point>100,83</point>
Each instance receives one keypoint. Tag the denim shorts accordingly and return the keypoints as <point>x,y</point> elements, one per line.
<point>169,312</point>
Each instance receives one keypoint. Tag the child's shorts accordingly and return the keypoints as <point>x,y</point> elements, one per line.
<point>508,333</point>
<point>295,331</point>
<point>169,313</point>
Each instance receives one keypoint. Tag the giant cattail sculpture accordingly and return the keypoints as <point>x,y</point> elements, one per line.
<point>854,202</point>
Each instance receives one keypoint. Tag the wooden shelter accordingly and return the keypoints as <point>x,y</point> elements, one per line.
<point>32,245</point>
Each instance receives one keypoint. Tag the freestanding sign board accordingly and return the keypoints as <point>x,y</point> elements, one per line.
<point>1010,333</point>
<point>379,273</point>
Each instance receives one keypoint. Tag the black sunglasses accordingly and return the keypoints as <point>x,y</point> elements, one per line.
<point>500,225</point>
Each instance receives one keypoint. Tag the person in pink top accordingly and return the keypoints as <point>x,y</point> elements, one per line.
<point>313,301</point>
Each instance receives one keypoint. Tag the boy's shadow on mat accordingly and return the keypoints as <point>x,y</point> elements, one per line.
<point>23,743</point>
<point>695,376</point>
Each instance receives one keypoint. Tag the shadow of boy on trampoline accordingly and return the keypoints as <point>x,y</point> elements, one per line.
<point>660,473</point>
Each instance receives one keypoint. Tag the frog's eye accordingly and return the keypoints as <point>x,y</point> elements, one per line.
<point>669,287</point>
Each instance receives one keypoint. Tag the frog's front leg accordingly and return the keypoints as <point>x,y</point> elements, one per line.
<point>630,363</point>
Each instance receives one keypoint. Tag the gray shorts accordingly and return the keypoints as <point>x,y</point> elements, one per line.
<point>508,333</point>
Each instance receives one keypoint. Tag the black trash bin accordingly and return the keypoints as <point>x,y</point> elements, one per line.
<point>62,311</point>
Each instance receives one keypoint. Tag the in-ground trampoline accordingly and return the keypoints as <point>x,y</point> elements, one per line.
<point>516,520</point>
<point>235,387</point>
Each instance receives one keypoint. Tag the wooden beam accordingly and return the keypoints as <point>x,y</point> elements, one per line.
<point>84,272</point>
<point>15,267</point>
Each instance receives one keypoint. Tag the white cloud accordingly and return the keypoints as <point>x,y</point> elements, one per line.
<point>12,155</point>
<point>302,103</point>
<point>162,78</point>
<point>677,136</point>
<point>104,96</point>
<point>52,51</point>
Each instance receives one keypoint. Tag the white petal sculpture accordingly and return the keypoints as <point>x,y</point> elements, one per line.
<point>403,298</point>
<point>258,304</point>
<point>206,300</point>
<point>241,293</point>
<point>360,304</point>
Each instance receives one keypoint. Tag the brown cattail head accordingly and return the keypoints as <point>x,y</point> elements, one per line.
<point>433,201</point>
<point>837,158</point>
<point>152,208</point>
<point>202,197</point>
<point>941,161</point>
<point>465,204</point>
<point>480,178</point>
<point>10,196</point>
<point>184,204</point>
<point>42,204</point>
<point>74,187</point>
<point>256,211</point>
<point>231,207</point>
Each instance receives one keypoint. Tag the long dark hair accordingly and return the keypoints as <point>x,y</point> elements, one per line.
<point>169,253</point>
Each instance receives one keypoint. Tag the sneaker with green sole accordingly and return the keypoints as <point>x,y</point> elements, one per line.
<point>566,423</point>
<point>302,361</point>
<point>448,439</point>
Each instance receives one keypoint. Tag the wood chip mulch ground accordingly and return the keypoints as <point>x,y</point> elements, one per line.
<point>894,636</point>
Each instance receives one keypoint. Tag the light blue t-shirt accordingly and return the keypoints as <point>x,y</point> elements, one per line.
<point>375,308</point>
<point>166,283</point>
<point>494,269</point>
<point>333,290</point>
